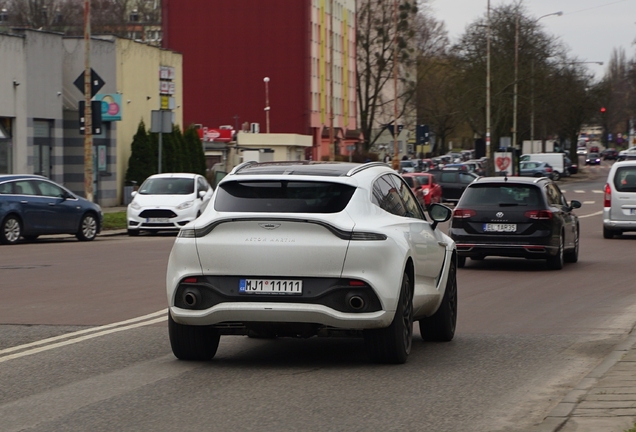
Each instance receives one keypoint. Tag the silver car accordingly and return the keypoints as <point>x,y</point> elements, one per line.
<point>619,204</point>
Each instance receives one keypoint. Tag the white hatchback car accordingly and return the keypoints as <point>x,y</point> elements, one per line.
<point>166,202</point>
<point>307,249</point>
<point>619,204</point>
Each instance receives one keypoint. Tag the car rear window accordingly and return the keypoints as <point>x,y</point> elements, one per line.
<point>409,181</point>
<point>422,180</point>
<point>282,196</point>
<point>625,179</point>
<point>167,186</point>
<point>501,195</point>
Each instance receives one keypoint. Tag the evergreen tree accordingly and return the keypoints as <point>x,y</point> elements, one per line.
<point>185,157</point>
<point>197,156</point>
<point>140,161</point>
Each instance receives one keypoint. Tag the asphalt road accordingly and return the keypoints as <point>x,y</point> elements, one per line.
<point>83,346</point>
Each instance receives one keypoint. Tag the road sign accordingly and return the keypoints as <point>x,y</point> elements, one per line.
<point>96,83</point>
<point>96,111</point>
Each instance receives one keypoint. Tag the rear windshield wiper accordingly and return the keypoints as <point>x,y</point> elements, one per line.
<point>508,204</point>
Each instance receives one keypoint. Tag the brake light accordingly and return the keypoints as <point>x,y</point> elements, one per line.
<point>548,169</point>
<point>538,214</point>
<point>463,213</point>
<point>190,280</point>
<point>607,201</point>
<point>354,282</point>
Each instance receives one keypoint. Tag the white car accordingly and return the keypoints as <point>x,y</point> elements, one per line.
<point>307,249</point>
<point>619,203</point>
<point>167,202</point>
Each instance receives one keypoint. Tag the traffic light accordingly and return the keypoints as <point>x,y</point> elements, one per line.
<point>603,110</point>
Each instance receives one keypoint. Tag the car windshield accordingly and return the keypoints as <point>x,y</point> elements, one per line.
<point>422,180</point>
<point>167,186</point>
<point>282,196</point>
<point>625,179</point>
<point>593,155</point>
<point>406,164</point>
<point>501,195</point>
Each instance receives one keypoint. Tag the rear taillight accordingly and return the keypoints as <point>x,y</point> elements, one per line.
<point>607,201</point>
<point>463,213</point>
<point>538,214</point>
<point>548,170</point>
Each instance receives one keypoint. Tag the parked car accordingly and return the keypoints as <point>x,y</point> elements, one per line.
<point>609,154</point>
<point>516,217</point>
<point>311,248</point>
<point>594,149</point>
<point>535,169</point>
<point>581,151</point>
<point>426,189</point>
<point>625,154</point>
<point>619,203</point>
<point>453,182</point>
<point>593,159</point>
<point>556,161</point>
<point>474,167</point>
<point>167,202</point>
<point>407,166</point>
<point>31,206</point>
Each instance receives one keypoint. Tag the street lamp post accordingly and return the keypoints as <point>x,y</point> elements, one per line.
<point>266,81</point>
<point>488,88</point>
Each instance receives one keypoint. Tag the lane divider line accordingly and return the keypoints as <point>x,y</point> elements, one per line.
<point>591,214</point>
<point>79,339</point>
<point>81,332</point>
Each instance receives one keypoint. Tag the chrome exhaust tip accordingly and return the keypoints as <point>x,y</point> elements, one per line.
<point>191,298</point>
<point>356,302</point>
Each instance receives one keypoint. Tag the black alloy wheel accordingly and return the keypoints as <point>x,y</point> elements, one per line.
<point>440,327</point>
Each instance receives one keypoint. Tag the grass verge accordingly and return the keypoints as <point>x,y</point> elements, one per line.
<point>113,221</point>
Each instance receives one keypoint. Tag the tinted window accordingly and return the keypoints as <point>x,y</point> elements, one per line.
<point>5,188</point>
<point>406,164</point>
<point>24,187</point>
<point>282,196</point>
<point>409,181</point>
<point>386,196</point>
<point>167,186</point>
<point>501,195</point>
<point>625,179</point>
<point>466,178</point>
<point>203,185</point>
<point>422,180</point>
<point>411,207</point>
<point>448,177</point>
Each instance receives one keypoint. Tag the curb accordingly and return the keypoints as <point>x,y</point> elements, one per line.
<point>562,412</point>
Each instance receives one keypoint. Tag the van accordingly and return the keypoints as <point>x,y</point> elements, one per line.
<point>619,201</point>
<point>556,161</point>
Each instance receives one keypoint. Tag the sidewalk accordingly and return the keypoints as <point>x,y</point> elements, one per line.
<point>604,401</point>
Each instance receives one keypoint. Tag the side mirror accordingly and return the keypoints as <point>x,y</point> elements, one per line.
<point>439,213</point>
<point>575,204</point>
<point>202,194</point>
<point>133,193</point>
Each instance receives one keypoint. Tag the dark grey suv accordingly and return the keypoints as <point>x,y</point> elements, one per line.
<point>516,217</point>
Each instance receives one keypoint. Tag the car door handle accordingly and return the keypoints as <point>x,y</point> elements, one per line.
<point>24,202</point>
<point>51,204</point>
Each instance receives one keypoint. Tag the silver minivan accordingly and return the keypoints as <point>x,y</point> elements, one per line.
<point>619,203</point>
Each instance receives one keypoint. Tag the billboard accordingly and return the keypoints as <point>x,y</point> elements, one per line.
<point>111,106</point>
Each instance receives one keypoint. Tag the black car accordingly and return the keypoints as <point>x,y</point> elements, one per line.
<point>453,182</point>
<point>609,154</point>
<point>516,217</point>
<point>592,159</point>
<point>32,205</point>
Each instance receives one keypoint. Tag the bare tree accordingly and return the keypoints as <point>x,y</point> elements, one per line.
<point>375,60</point>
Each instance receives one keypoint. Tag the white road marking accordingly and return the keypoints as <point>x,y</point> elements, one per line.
<point>598,191</point>
<point>81,332</point>
<point>591,214</point>
<point>79,339</point>
<point>579,191</point>
<point>589,202</point>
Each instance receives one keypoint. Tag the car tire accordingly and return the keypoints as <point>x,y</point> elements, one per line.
<point>556,176</point>
<point>88,228</point>
<point>197,343</point>
<point>11,230</point>
<point>608,233</point>
<point>393,343</point>
<point>440,327</point>
<point>573,255</point>
<point>461,261</point>
<point>556,262</point>
<point>133,232</point>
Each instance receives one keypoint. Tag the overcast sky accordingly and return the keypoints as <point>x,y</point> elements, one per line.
<point>590,28</point>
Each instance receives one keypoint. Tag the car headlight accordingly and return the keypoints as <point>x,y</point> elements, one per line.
<point>135,206</point>
<point>185,205</point>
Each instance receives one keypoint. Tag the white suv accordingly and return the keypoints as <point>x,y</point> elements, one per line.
<point>619,204</point>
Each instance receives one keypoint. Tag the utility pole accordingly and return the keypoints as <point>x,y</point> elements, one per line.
<point>490,167</point>
<point>88,112</point>
<point>515,98</point>
<point>332,144</point>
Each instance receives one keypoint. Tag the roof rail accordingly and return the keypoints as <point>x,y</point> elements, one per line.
<point>539,179</point>
<point>364,166</point>
<point>241,166</point>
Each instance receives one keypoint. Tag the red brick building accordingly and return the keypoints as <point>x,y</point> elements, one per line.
<point>230,46</point>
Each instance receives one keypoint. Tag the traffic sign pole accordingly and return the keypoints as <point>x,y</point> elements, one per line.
<point>88,113</point>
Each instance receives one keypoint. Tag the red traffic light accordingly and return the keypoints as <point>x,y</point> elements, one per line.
<point>603,110</point>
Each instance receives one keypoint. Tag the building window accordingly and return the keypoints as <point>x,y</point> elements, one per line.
<point>134,16</point>
<point>4,15</point>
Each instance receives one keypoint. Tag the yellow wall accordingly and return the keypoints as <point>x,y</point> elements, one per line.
<point>137,79</point>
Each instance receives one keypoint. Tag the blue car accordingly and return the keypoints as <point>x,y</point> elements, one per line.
<point>32,205</point>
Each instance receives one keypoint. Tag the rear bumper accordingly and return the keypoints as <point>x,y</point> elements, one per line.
<point>283,313</point>
<point>613,224</point>
<point>506,250</point>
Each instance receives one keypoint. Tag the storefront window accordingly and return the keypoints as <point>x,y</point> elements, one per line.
<point>6,147</point>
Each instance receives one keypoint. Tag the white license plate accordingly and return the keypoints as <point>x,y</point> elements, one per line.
<point>157,220</point>
<point>500,227</point>
<point>270,286</point>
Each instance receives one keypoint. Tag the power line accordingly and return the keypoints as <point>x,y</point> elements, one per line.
<point>597,7</point>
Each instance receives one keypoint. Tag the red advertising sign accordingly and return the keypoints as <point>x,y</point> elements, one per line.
<point>215,135</point>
